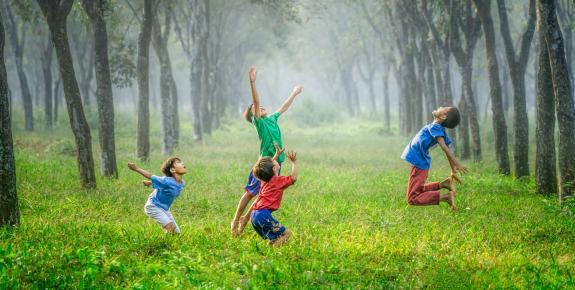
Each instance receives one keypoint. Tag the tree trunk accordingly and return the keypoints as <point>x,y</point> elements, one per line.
<point>57,99</point>
<point>143,82</point>
<point>465,149</point>
<point>47,72</point>
<point>9,211</point>
<point>56,16</point>
<point>386,109</point>
<point>18,48</point>
<point>499,125</point>
<point>545,166</point>
<point>104,97</point>
<point>564,105</point>
<point>517,67</point>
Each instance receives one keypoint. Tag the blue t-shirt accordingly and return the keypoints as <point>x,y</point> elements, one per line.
<point>417,151</point>
<point>166,191</point>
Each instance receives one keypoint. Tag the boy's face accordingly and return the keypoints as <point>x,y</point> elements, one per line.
<point>263,111</point>
<point>179,168</point>
<point>441,113</point>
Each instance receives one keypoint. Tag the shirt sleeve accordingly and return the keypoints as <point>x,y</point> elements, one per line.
<point>438,131</point>
<point>275,116</point>
<point>285,181</point>
<point>159,182</point>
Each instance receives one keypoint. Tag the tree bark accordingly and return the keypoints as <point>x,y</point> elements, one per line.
<point>9,211</point>
<point>104,97</point>
<point>56,17</point>
<point>565,108</point>
<point>499,125</point>
<point>143,82</point>
<point>545,162</point>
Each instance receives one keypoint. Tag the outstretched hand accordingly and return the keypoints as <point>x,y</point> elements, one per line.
<point>132,166</point>
<point>253,74</point>
<point>292,156</point>
<point>278,149</point>
<point>147,183</point>
<point>458,168</point>
<point>297,90</point>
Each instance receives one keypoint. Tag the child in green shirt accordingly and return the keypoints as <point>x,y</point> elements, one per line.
<point>269,133</point>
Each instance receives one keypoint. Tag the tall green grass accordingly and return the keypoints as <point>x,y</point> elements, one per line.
<point>351,225</point>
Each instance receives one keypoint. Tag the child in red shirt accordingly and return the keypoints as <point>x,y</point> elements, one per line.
<point>270,197</point>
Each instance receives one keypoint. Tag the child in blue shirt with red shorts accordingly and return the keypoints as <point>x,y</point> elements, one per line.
<point>417,154</point>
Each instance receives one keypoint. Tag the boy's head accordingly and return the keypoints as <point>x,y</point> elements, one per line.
<point>173,165</point>
<point>266,168</point>
<point>249,113</point>
<point>448,117</point>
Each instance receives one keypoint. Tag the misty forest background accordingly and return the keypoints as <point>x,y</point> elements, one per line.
<point>87,86</point>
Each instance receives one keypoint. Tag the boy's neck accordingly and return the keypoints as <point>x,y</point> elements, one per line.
<point>177,177</point>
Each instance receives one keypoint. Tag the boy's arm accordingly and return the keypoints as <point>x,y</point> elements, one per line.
<point>285,106</point>
<point>453,162</point>
<point>255,96</point>
<point>143,172</point>
<point>278,151</point>
<point>292,158</point>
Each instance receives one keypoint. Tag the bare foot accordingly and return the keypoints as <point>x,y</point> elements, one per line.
<point>234,228</point>
<point>451,200</point>
<point>448,184</point>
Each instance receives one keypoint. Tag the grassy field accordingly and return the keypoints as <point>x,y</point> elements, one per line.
<point>351,225</point>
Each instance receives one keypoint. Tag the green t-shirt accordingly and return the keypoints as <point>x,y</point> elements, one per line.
<point>269,131</point>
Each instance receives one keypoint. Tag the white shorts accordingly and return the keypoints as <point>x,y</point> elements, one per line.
<point>161,216</point>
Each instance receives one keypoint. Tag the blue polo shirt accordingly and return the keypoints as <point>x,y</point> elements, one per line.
<point>417,151</point>
<point>167,189</point>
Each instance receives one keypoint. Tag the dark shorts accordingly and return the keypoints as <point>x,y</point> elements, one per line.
<point>265,225</point>
<point>253,184</point>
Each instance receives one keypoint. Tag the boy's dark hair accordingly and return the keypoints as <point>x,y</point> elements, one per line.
<point>248,114</point>
<point>453,118</point>
<point>168,164</point>
<point>264,169</point>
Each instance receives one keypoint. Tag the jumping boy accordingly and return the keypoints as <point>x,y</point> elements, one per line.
<point>166,190</point>
<point>417,154</point>
<point>268,133</point>
<point>270,197</point>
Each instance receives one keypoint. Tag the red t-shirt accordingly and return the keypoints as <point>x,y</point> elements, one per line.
<point>271,192</point>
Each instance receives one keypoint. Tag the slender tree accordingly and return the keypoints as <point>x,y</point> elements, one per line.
<point>56,15</point>
<point>9,212</point>
<point>104,98</point>
<point>143,82</point>
<point>18,43</point>
<point>517,66</point>
<point>47,57</point>
<point>499,125</point>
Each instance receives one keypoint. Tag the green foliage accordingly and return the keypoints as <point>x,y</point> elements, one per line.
<point>352,228</point>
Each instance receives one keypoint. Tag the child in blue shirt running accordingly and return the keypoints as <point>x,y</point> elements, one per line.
<point>166,190</point>
<point>417,154</point>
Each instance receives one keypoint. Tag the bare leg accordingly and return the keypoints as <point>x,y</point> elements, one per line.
<point>244,220</point>
<point>450,199</point>
<point>281,239</point>
<point>448,184</point>
<point>240,209</point>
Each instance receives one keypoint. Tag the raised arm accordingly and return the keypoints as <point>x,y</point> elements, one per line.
<point>453,162</point>
<point>285,106</point>
<point>291,155</point>
<point>255,96</point>
<point>143,172</point>
<point>278,151</point>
